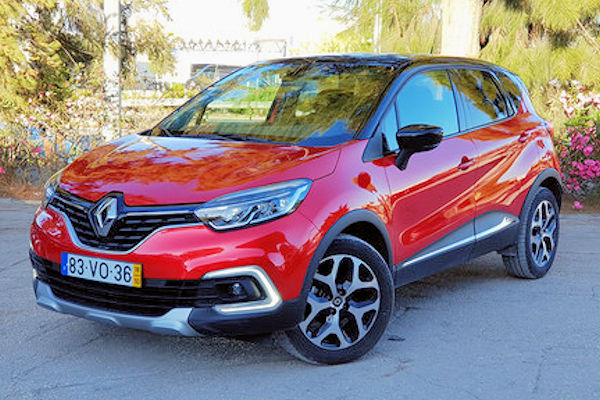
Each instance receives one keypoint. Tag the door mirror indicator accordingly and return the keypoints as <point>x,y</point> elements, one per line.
<point>415,139</point>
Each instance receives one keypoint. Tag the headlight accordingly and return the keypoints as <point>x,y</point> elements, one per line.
<point>50,188</point>
<point>253,206</point>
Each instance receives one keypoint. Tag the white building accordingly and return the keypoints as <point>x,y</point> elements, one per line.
<point>215,33</point>
<point>215,58</point>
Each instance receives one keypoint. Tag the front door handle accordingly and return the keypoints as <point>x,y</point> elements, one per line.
<point>465,163</point>
<point>523,137</point>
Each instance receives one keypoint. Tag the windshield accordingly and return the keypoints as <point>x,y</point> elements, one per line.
<point>313,104</point>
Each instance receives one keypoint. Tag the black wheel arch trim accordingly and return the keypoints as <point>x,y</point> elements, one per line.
<point>348,219</point>
<point>549,173</point>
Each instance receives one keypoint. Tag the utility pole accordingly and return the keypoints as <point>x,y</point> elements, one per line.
<point>377,28</point>
<point>112,68</point>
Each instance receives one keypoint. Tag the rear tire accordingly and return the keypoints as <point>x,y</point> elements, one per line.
<point>538,238</point>
<point>348,306</point>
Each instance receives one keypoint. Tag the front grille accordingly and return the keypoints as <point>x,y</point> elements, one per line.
<point>127,231</point>
<point>154,298</point>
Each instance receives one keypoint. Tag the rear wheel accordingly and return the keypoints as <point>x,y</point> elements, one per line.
<point>538,238</point>
<point>348,305</point>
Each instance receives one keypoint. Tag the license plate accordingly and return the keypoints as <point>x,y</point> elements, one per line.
<point>101,270</point>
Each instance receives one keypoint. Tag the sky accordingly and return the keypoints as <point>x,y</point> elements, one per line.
<point>300,22</point>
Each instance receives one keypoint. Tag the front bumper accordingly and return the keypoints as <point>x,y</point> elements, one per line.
<point>282,249</point>
<point>85,299</point>
<point>179,321</point>
<point>174,322</point>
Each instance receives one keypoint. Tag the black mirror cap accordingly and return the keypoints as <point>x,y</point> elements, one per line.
<point>419,137</point>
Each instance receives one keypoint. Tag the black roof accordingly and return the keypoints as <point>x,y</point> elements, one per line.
<point>392,59</point>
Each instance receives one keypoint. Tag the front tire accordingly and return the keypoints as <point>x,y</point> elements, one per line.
<point>348,306</point>
<point>538,238</point>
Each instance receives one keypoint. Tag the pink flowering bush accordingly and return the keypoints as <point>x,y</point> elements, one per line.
<point>16,153</point>
<point>36,144</point>
<point>579,154</point>
<point>580,102</point>
<point>579,147</point>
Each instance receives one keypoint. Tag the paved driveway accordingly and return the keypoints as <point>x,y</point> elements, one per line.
<point>469,333</point>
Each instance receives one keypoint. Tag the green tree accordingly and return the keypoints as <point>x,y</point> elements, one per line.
<point>549,43</point>
<point>407,26</point>
<point>257,11</point>
<point>544,41</point>
<point>48,44</point>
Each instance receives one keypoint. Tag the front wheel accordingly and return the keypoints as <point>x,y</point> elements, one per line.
<point>538,238</point>
<point>348,307</point>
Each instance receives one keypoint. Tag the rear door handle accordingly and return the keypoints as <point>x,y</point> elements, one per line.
<point>465,163</point>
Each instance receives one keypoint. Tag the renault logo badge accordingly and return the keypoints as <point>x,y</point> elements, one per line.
<point>104,215</point>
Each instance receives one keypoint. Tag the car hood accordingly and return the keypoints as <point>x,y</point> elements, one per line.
<point>167,170</point>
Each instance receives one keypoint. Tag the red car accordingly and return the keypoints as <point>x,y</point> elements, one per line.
<point>294,195</point>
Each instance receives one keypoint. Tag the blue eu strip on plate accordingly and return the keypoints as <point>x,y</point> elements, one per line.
<point>64,265</point>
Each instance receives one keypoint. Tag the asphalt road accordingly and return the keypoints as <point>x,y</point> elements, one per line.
<point>469,333</point>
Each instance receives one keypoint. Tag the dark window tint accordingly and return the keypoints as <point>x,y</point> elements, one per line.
<point>427,98</point>
<point>483,101</point>
<point>511,89</point>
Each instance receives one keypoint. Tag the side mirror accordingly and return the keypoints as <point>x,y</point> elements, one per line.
<point>414,139</point>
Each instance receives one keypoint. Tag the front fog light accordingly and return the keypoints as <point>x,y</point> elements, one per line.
<point>237,289</point>
<point>260,294</point>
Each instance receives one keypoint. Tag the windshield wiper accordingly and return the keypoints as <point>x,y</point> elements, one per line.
<point>165,131</point>
<point>232,136</point>
<point>244,138</point>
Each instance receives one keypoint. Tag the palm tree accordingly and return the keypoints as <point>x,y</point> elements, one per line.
<point>460,27</point>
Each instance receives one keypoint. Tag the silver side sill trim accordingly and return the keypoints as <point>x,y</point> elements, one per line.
<point>174,322</point>
<point>506,222</point>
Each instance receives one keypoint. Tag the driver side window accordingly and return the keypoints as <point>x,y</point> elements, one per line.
<point>427,98</point>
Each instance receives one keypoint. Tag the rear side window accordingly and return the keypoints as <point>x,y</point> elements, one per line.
<point>483,100</point>
<point>511,88</point>
<point>427,98</point>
